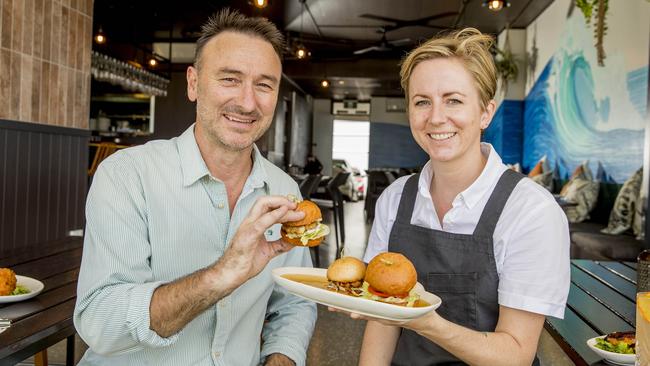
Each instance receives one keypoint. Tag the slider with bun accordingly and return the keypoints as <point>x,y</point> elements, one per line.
<point>345,275</point>
<point>306,232</point>
<point>390,277</point>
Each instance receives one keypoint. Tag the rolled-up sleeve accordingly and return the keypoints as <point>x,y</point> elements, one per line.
<point>291,319</point>
<point>115,281</point>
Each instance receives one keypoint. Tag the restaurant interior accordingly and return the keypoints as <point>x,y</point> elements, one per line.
<point>83,79</point>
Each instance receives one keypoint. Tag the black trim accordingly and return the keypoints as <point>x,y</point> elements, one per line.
<point>41,128</point>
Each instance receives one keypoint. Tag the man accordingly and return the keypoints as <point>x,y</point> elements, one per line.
<point>313,165</point>
<point>176,263</point>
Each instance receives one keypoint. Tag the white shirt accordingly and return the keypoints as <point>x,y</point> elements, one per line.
<point>531,239</point>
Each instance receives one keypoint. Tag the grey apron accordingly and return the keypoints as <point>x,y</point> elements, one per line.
<point>459,268</point>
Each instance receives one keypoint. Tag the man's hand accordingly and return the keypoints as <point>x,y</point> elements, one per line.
<point>175,304</point>
<point>278,359</point>
<point>249,252</point>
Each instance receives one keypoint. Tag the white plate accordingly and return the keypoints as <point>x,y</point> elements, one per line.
<point>611,357</point>
<point>350,303</point>
<point>35,287</point>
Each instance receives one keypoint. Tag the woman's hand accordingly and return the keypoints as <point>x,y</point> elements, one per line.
<point>426,321</point>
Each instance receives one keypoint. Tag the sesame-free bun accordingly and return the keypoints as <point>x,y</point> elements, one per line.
<point>391,273</point>
<point>297,242</point>
<point>346,269</point>
<point>312,213</point>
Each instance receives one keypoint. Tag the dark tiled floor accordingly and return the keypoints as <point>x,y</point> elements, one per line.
<point>337,338</point>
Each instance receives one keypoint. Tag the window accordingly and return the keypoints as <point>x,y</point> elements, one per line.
<point>350,142</point>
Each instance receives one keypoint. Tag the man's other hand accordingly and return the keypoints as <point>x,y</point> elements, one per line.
<point>278,359</point>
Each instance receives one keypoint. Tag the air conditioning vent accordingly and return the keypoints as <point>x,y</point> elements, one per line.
<point>350,108</point>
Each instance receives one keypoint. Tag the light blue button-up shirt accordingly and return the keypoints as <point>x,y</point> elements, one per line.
<point>154,214</point>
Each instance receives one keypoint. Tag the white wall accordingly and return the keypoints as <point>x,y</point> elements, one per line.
<point>378,111</point>
<point>324,125</point>
<point>626,20</point>
<point>516,89</point>
<point>322,133</point>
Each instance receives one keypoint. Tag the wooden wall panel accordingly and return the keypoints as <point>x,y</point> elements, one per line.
<point>46,51</point>
<point>43,182</point>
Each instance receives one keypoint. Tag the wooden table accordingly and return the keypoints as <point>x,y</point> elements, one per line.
<point>46,319</point>
<point>601,300</point>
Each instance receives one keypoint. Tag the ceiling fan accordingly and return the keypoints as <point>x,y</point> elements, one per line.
<point>384,44</point>
<point>398,23</point>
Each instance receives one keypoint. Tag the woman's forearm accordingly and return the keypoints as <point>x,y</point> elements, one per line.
<point>379,343</point>
<point>509,344</point>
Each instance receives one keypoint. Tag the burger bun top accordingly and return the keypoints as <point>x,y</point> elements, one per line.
<point>391,273</point>
<point>346,269</point>
<point>312,213</point>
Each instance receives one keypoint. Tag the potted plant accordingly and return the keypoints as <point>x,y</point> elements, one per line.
<point>599,7</point>
<point>506,63</point>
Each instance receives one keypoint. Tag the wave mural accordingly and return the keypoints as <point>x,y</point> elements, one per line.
<point>578,111</point>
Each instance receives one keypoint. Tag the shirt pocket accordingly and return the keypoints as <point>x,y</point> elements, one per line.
<point>458,292</point>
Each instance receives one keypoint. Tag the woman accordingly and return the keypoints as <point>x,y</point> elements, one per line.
<point>492,244</point>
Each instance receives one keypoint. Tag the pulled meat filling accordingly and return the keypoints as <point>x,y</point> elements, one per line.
<point>350,288</point>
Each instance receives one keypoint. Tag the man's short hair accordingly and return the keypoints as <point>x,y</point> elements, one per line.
<point>232,20</point>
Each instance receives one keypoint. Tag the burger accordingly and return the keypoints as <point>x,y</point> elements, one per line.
<point>7,281</point>
<point>307,232</point>
<point>345,275</point>
<point>390,277</point>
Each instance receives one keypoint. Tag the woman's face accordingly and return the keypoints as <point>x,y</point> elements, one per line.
<point>445,111</point>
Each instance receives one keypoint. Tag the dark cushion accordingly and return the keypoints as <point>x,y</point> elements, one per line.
<point>590,245</point>
<point>607,193</point>
<point>585,227</point>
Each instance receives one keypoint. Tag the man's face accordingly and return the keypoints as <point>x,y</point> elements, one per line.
<point>235,87</point>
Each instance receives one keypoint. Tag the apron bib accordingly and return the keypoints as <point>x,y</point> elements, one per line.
<point>459,268</point>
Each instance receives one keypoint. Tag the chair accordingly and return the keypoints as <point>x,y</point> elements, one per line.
<point>377,181</point>
<point>309,185</point>
<point>337,209</point>
<point>104,150</point>
<point>335,203</point>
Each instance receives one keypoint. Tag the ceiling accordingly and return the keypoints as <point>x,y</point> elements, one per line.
<point>379,31</point>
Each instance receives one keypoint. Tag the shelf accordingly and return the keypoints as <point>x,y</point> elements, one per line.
<point>121,98</point>
<point>129,116</point>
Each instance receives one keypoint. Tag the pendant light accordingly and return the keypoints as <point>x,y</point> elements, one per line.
<point>496,5</point>
<point>301,50</point>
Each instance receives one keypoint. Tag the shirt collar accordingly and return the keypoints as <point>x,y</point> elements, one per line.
<point>259,176</point>
<point>481,186</point>
<point>194,168</point>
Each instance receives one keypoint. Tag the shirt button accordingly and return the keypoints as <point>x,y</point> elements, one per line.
<point>222,304</point>
<point>216,354</point>
<point>220,205</point>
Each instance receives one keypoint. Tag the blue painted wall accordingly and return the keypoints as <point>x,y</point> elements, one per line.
<point>506,132</point>
<point>565,121</point>
<point>578,110</point>
<point>393,146</point>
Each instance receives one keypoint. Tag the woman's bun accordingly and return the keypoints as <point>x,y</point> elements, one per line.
<point>312,213</point>
<point>297,242</point>
<point>391,273</point>
<point>346,269</point>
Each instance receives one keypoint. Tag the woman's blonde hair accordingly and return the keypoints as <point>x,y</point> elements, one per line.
<point>468,45</point>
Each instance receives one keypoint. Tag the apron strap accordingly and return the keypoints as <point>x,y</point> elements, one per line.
<point>497,201</point>
<point>407,201</point>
